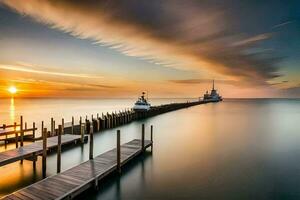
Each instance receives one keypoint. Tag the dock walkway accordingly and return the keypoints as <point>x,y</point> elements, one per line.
<point>34,149</point>
<point>70,183</point>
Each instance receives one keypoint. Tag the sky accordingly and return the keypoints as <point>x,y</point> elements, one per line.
<point>170,48</point>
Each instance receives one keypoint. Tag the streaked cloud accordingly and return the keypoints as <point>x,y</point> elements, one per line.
<point>253,40</point>
<point>193,35</point>
<point>282,24</point>
<point>52,73</point>
<point>206,81</point>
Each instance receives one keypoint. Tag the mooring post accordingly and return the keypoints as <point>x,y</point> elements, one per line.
<point>72,125</point>
<point>54,132</point>
<point>16,134</point>
<point>91,141</point>
<point>21,130</point>
<point>81,129</point>
<point>44,159</point>
<point>51,128</point>
<point>42,129</point>
<point>33,131</point>
<point>82,133</point>
<point>143,137</point>
<point>62,126</point>
<point>60,130</point>
<point>118,151</point>
<point>151,137</point>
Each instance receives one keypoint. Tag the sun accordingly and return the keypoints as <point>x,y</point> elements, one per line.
<point>12,90</point>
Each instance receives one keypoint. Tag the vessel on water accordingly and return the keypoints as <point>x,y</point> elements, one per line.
<point>213,96</point>
<point>142,104</point>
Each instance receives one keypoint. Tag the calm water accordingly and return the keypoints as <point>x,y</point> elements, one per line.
<point>237,149</point>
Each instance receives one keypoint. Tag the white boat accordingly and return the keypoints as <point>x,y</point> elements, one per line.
<point>142,104</point>
<point>213,96</point>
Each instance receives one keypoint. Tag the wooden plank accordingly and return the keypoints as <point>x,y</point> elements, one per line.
<point>36,148</point>
<point>75,180</point>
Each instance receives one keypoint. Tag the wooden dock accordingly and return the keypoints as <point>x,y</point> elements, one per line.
<point>35,149</point>
<point>70,183</point>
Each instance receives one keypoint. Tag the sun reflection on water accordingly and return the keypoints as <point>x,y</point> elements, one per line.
<point>12,110</point>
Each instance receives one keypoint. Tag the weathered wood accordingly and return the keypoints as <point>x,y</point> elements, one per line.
<point>81,130</point>
<point>21,130</point>
<point>91,142</point>
<point>60,130</point>
<point>143,137</point>
<point>72,182</point>
<point>27,151</point>
<point>33,130</point>
<point>62,126</point>
<point>44,158</point>
<point>118,151</point>
<point>72,126</point>
<point>52,127</point>
<point>16,134</point>
<point>151,137</point>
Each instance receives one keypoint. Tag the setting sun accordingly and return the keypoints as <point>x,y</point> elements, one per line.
<point>12,90</point>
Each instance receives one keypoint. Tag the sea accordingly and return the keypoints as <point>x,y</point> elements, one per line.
<point>235,149</point>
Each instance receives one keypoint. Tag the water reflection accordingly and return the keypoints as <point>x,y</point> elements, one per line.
<point>238,149</point>
<point>12,110</point>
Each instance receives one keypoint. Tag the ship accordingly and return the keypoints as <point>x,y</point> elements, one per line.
<point>142,104</point>
<point>213,96</point>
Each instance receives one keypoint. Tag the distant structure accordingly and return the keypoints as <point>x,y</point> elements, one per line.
<point>213,96</point>
<point>142,104</point>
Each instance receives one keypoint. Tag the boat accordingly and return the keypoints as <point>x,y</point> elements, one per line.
<point>213,96</point>
<point>142,104</point>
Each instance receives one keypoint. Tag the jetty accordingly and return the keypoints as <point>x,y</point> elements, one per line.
<point>31,151</point>
<point>72,182</point>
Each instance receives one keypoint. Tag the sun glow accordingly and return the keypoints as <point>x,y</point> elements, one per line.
<point>12,90</point>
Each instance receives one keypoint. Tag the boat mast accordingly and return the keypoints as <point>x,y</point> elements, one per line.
<point>213,84</point>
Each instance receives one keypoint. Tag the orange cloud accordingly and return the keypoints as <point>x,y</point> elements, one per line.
<point>192,35</point>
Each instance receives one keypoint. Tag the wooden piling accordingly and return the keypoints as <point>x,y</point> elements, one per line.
<point>60,130</point>
<point>44,159</point>
<point>42,129</point>
<point>72,130</point>
<point>51,128</point>
<point>143,137</point>
<point>21,130</point>
<point>54,132</point>
<point>33,131</point>
<point>118,151</point>
<point>62,126</point>
<point>151,137</point>
<point>91,142</point>
<point>82,133</point>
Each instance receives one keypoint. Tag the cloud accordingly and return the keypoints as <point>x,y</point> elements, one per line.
<point>252,40</point>
<point>36,71</point>
<point>282,24</point>
<point>292,92</point>
<point>192,34</point>
<point>200,81</point>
